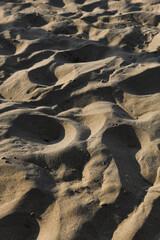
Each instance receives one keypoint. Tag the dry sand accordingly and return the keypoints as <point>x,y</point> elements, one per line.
<point>80,120</point>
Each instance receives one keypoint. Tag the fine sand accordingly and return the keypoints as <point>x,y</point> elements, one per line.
<point>79,120</point>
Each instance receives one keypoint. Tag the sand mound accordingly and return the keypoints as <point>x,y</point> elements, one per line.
<point>80,120</point>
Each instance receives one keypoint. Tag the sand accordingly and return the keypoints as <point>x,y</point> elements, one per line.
<point>80,120</point>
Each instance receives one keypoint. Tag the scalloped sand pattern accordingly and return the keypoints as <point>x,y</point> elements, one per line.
<point>80,120</point>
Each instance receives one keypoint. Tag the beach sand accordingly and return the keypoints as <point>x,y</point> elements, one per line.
<point>80,120</point>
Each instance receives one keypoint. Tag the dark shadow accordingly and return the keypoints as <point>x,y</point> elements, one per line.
<point>151,227</point>
<point>23,223</point>
<point>37,128</point>
<point>80,1</point>
<point>108,217</point>
<point>35,202</point>
<point>85,98</point>
<point>31,19</point>
<point>143,83</point>
<point>90,19</point>
<point>87,53</point>
<point>6,47</point>
<point>65,28</point>
<point>91,6</point>
<point>19,226</point>
<point>24,5</point>
<point>57,3</point>
<point>42,76</point>
<point>121,113</point>
<point>124,144</point>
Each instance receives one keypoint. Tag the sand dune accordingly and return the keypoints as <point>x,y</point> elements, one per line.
<point>79,120</point>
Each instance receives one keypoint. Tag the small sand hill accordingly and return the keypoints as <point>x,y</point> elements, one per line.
<point>79,120</point>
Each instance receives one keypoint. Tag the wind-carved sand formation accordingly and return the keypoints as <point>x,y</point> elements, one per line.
<point>80,120</point>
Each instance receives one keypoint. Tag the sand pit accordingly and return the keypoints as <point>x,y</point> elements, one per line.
<point>79,120</point>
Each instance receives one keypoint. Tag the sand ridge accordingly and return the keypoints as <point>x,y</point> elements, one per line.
<point>79,119</point>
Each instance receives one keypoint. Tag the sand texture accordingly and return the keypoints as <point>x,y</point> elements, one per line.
<point>79,120</point>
